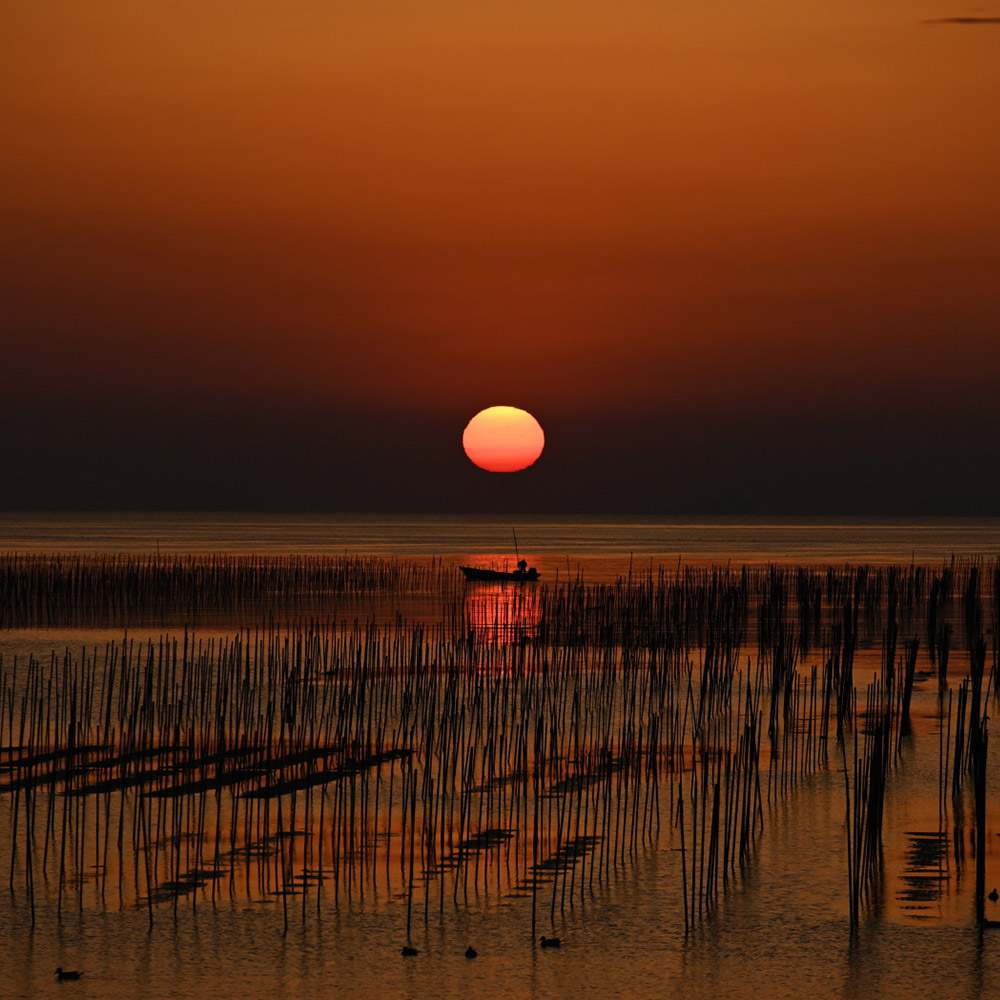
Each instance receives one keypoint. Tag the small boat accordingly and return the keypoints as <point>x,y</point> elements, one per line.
<point>523,574</point>
<point>526,575</point>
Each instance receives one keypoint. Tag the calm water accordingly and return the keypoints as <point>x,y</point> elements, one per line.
<point>781,930</point>
<point>603,546</point>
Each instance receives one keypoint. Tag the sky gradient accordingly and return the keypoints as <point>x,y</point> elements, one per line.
<point>275,256</point>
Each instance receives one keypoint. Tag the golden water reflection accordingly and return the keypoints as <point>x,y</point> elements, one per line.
<point>502,613</point>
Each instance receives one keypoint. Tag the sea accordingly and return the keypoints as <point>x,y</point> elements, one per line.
<point>604,546</point>
<point>779,931</point>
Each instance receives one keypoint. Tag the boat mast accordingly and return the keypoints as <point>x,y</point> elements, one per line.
<point>517,555</point>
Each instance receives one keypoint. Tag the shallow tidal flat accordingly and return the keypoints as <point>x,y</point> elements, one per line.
<point>241,775</point>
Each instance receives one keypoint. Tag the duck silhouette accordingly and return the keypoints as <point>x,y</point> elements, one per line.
<point>66,974</point>
<point>471,952</point>
<point>407,950</point>
<point>994,895</point>
<point>551,942</point>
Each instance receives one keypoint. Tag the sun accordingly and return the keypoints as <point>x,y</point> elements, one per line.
<point>503,439</point>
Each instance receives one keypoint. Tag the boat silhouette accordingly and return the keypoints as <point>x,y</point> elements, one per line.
<point>521,575</point>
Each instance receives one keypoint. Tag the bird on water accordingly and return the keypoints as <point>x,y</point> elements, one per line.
<point>407,950</point>
<point>66,974</point>
<point>471,952</point>
<point>551,942</point>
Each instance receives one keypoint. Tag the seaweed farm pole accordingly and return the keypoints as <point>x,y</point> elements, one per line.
<point>535,830</point>
<point>143,816</point>
<point>413,842</point>
<point>978,740</point>
<point>680,823</point>
<point>29,865</point>
<point>912,648</point>
<point>979,774</point>
<point>849,823</point>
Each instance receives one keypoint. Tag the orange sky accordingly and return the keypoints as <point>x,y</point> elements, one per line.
<point>653,212</point>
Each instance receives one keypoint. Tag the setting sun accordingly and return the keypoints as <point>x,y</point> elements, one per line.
<point>503,439</point>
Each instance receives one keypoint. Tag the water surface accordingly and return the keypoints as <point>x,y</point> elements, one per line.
<point>780,928</point>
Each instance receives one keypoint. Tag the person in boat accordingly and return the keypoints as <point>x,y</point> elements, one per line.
<point>522,570</point>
